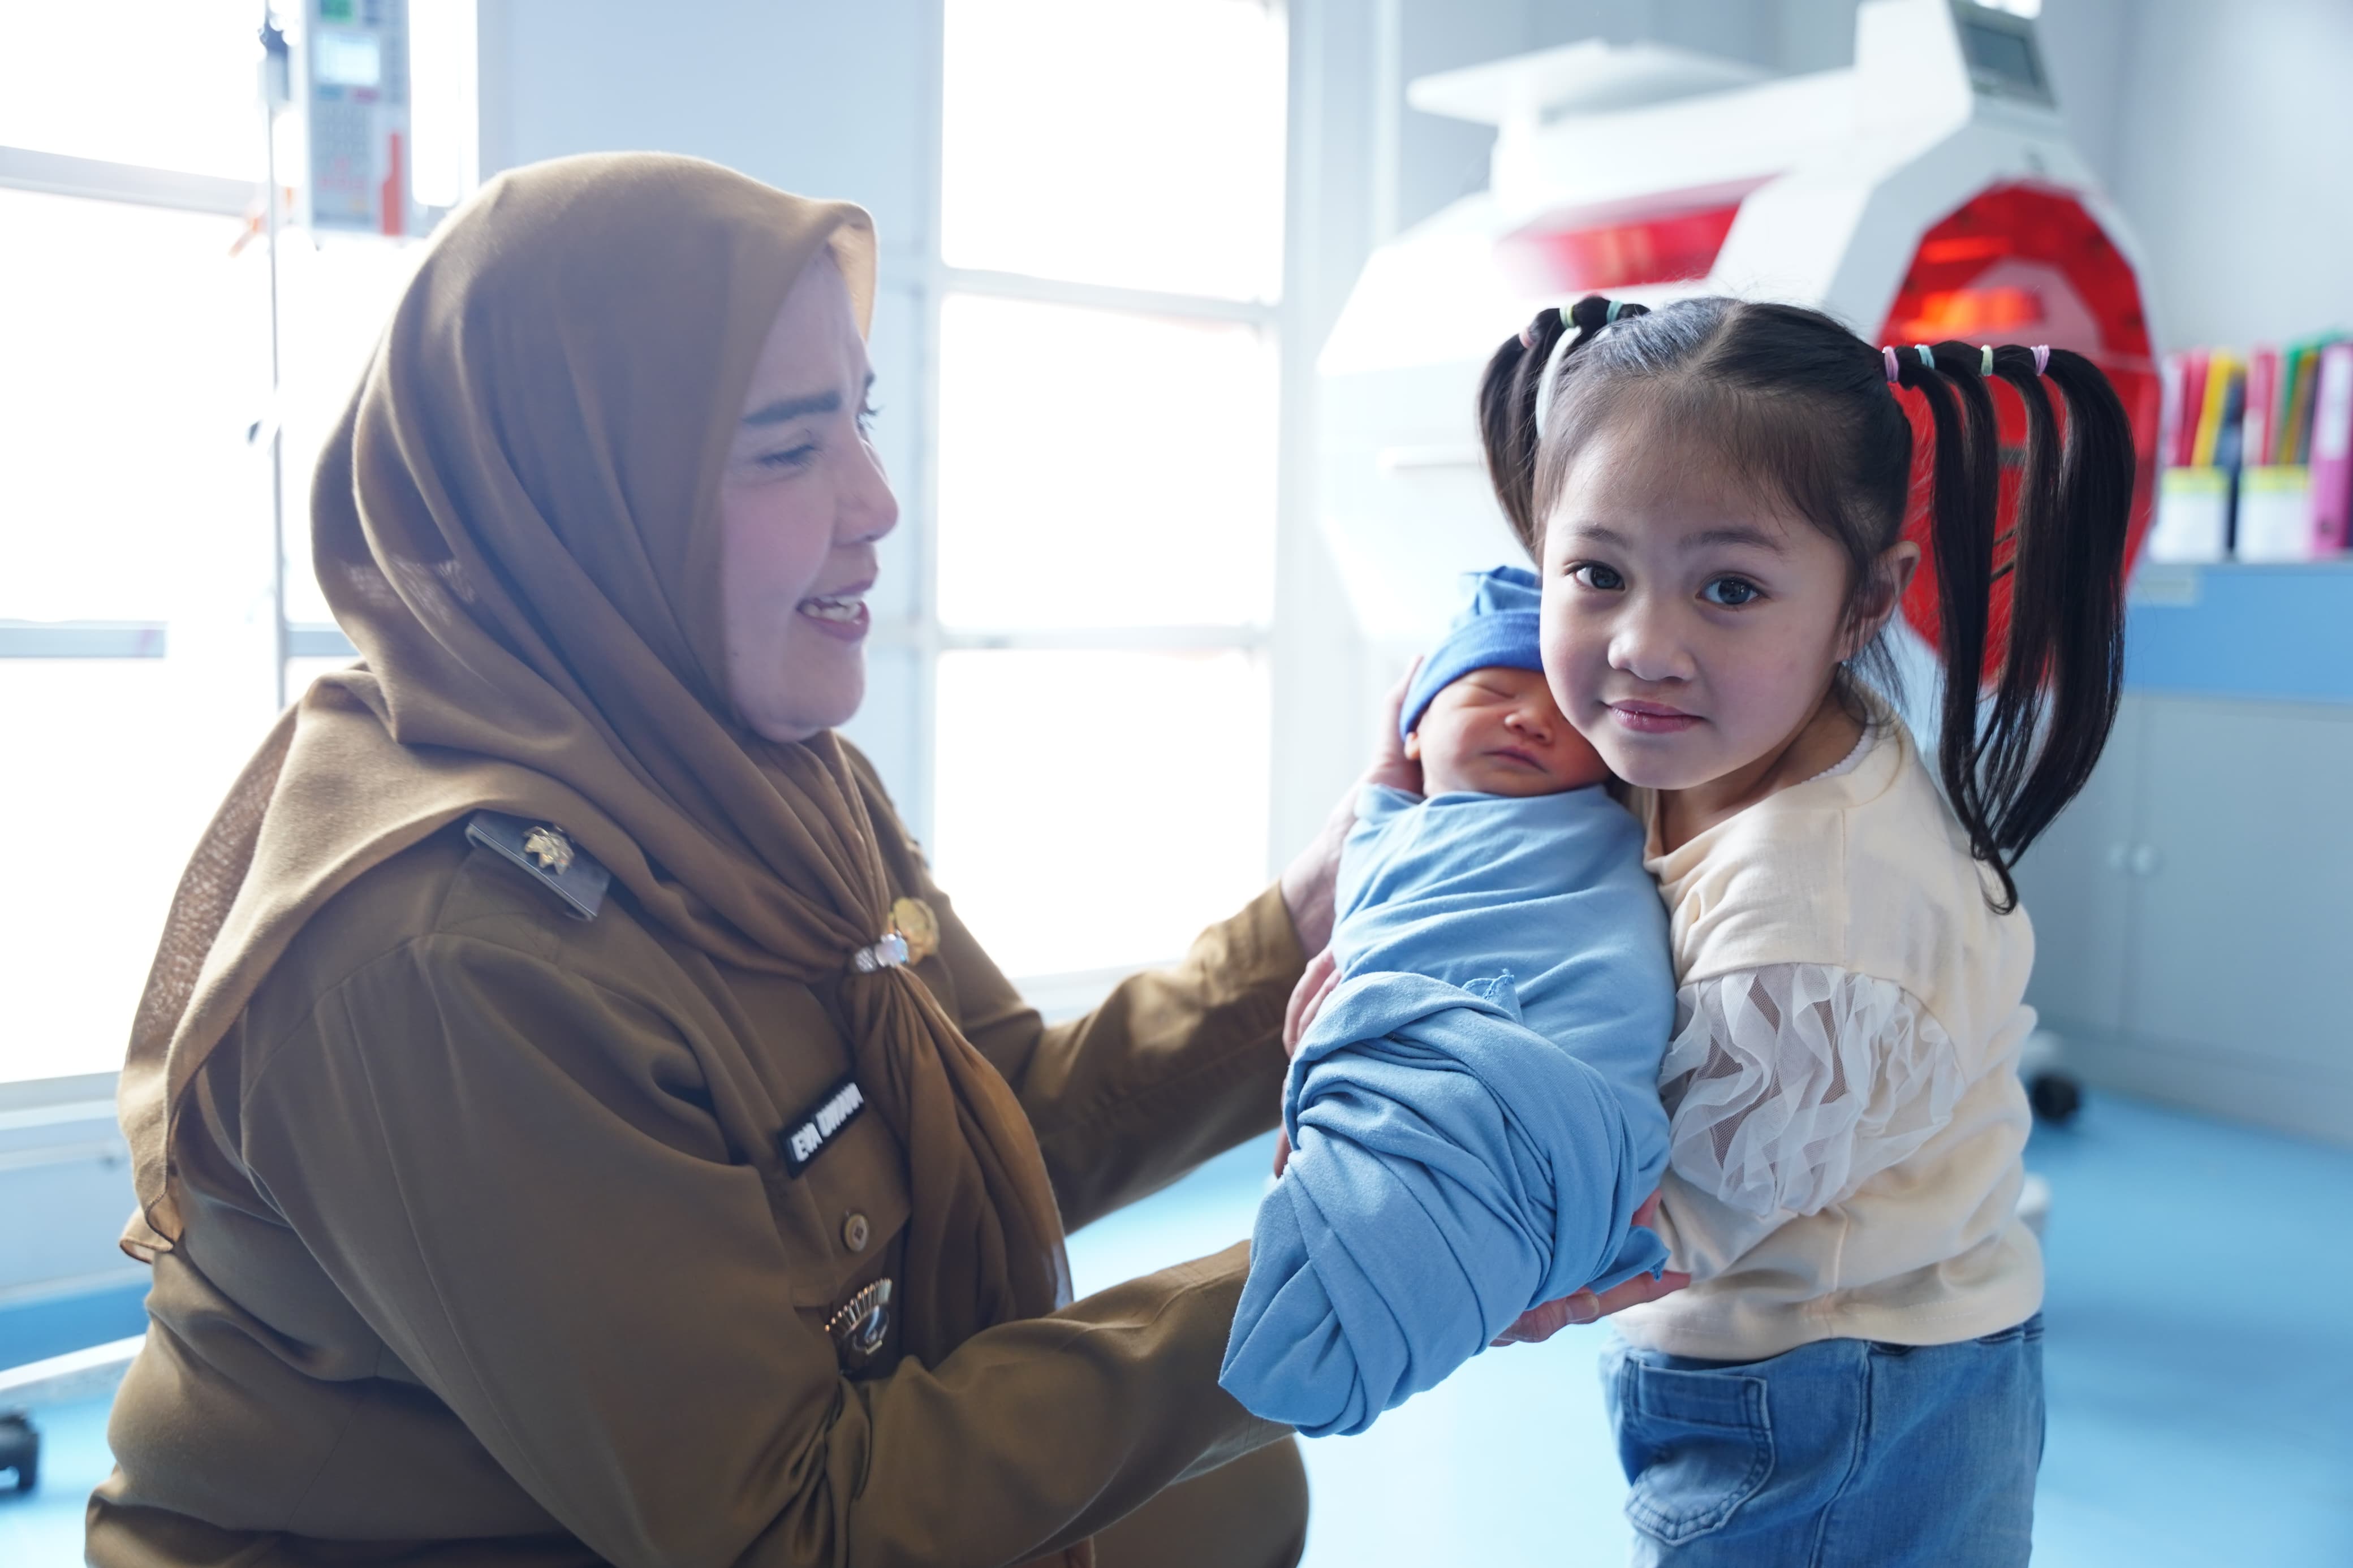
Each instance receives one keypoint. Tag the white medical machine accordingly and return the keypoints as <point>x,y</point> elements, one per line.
<point>1927,193</point>
<point>354,94</point>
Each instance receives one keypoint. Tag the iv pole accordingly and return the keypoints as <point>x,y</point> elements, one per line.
<point>277,93</point>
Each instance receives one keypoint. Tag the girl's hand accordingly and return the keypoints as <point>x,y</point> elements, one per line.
<point>1539,1323</point>
<point>1307,881</point>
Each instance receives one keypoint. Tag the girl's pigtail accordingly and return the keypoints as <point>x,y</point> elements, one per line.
<point>1965,493</point>
<point>2067,606</point>
<point>2015,719</point>
<point>1507,420</point>
<point>1508,393</point>
<point>2012,760</point>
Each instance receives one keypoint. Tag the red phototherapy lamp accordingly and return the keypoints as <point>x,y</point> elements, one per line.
<point>1928,192</point>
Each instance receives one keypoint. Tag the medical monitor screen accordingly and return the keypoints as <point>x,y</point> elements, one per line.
<point>2004,60</point>
<point>349,58</point>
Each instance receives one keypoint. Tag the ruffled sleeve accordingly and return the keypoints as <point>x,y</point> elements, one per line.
<point>1790,1086</point>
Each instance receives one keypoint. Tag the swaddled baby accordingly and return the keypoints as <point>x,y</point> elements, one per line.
<point>1474,1113</point>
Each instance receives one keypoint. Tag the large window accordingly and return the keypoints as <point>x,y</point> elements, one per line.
<point>146,627</point>
<point>1070,674</point>
<point>1103,489</point>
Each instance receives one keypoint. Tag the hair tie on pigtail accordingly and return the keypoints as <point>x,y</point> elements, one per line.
<point>1551,374</point>
<point>1580,323</point>
<point>1985,358</point>
<point>1927,355</point>
<point>2041,358</point>
<point>1895,370</point>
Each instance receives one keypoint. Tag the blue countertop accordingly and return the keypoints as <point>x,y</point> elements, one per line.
<point>2279,633</point>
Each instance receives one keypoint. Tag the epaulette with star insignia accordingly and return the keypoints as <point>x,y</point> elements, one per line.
<point>547,854</point>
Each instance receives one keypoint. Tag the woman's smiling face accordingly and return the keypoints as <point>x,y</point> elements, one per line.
<point>801,505</point>
<point>1690,631</point>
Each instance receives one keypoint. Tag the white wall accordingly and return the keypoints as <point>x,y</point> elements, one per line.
<point>821,99</point>
<point>1369,164</point>
<point>2234,160</point>
<point>1443,159</point>
<point>2219,128</point>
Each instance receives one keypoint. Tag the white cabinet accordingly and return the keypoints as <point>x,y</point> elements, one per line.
<point>2193,911</point>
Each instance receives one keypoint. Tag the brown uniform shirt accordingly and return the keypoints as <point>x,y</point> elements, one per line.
<point>471,1273</point>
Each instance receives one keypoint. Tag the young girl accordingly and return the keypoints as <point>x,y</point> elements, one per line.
<point>1716,493</point>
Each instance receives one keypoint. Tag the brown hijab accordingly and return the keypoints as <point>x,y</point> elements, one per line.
<point>516,522</point>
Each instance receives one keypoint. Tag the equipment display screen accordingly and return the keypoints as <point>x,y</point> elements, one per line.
<point>2006,55</point>
<point>349,58</point>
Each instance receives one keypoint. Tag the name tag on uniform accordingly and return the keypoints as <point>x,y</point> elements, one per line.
<point>807,1137</point>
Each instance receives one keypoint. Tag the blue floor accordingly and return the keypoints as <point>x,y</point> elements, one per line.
<point>2201,1377</point>
<point>2198,1363</point>
<point>44,1529</point>
<point>36,1331</point>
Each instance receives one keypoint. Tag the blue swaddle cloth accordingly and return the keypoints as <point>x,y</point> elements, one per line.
<point>1474,1115</point>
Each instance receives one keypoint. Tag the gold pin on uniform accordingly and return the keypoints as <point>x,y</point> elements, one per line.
<point>549,847</point>
<point>914,921</point>
<point>545,853</point>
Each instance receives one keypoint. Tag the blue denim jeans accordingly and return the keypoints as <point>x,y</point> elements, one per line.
<point>1844,1452</point>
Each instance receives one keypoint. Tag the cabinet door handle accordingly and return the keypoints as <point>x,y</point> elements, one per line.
<point>2145,860</point>
<point>2120,858</point>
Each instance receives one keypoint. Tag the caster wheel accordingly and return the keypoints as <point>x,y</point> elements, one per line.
<point>20,1450</point>
<point>2056,1098</point>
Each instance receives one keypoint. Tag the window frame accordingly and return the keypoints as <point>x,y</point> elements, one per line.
<point>1283,321</point>
<point>922,636</point>
<point>137,185</point>
<point>134,185</point>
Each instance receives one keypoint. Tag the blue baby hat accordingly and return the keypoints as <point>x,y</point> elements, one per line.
<point>1496,629</point>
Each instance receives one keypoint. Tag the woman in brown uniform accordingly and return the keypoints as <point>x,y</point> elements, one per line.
<point>543,1154</point>
<point>570,1125</point>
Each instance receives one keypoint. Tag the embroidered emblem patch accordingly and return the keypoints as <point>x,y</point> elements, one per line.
<point>806,1138</point>
<point>859,1327</point>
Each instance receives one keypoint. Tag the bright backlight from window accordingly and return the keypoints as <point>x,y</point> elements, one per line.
<point>334,300</point>
<point>1136,142</point>
<point>136,353</point>
<point>1098,809</point>
<point>135,341</point>
<point>444,90</point>
<point>1100,468</point>
<point>172,84</point>
<point>115,765</point>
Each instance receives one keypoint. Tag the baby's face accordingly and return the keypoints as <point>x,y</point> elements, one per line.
<point>1498,731</point>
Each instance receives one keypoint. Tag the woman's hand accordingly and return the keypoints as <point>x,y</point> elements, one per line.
<point>1390,765</point>
<point>1322,975</point>
<point>1307,881</point>
<point>1538,1324</point>
<point>1319,980</point>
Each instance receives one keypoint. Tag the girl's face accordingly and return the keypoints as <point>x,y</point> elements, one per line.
<point>800,507</point>
<point>1691,631</point>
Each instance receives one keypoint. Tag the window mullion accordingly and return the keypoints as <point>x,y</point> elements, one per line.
<point>1109,297</point>
<point>923,813</point>
<point>62,175</point>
